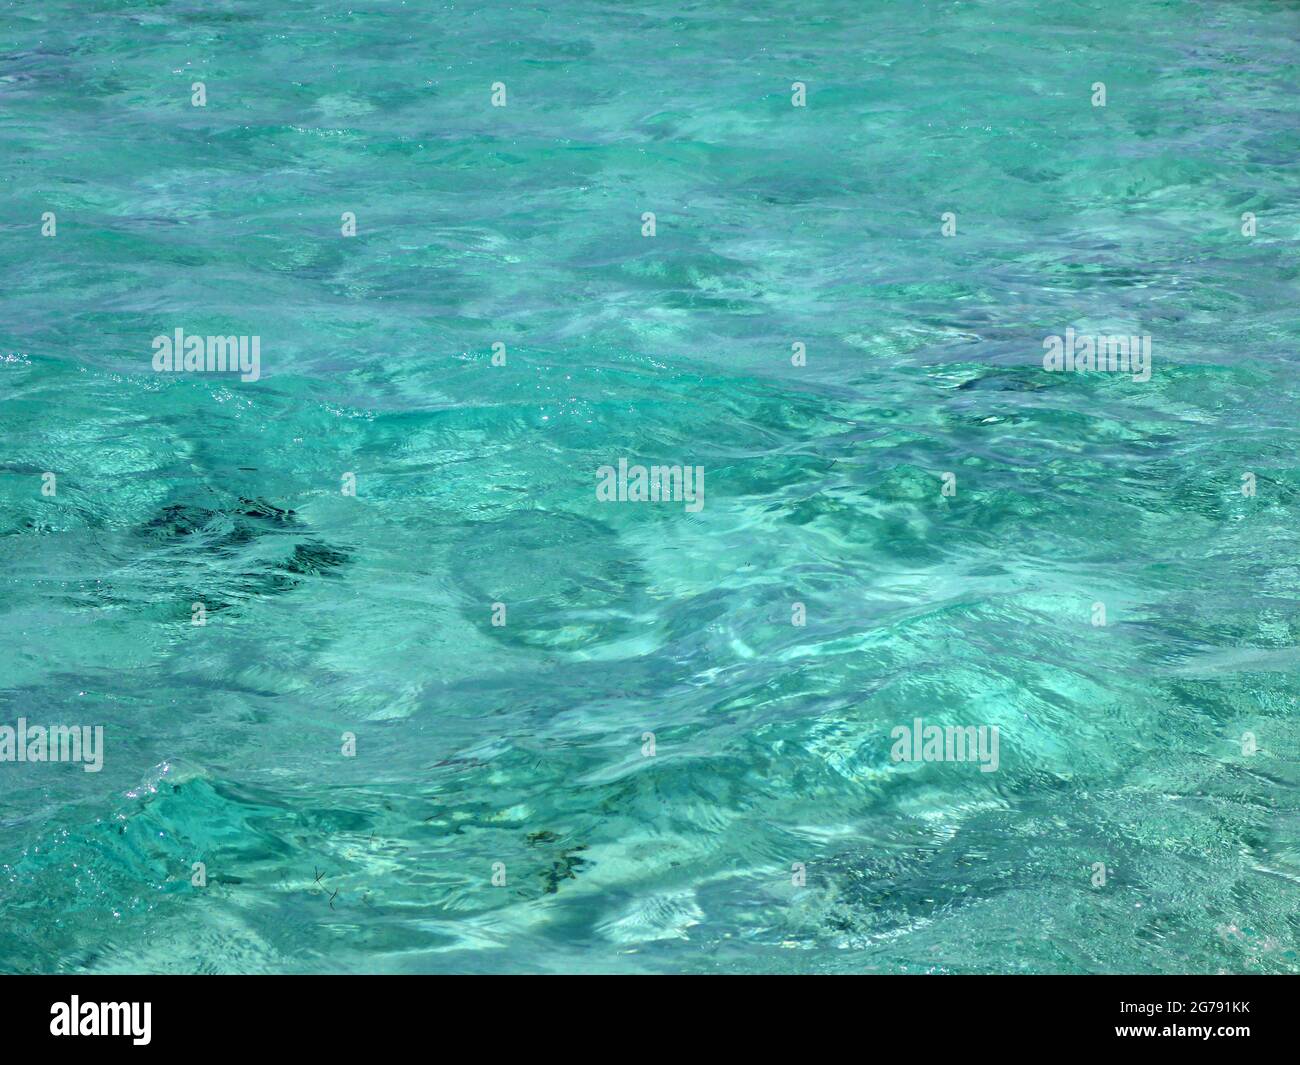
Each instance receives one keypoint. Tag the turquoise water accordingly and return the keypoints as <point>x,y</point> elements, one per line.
<point>519,750</point>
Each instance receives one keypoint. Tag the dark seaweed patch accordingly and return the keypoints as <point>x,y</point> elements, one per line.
<point>260,508</point>
<point>563,869</point>
<point>314,559</point>
<point>224,531</point>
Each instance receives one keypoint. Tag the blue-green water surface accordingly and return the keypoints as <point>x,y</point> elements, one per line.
<point>770,830</point>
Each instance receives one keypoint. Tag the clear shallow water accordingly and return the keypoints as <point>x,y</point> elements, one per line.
<point>523,744</point>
